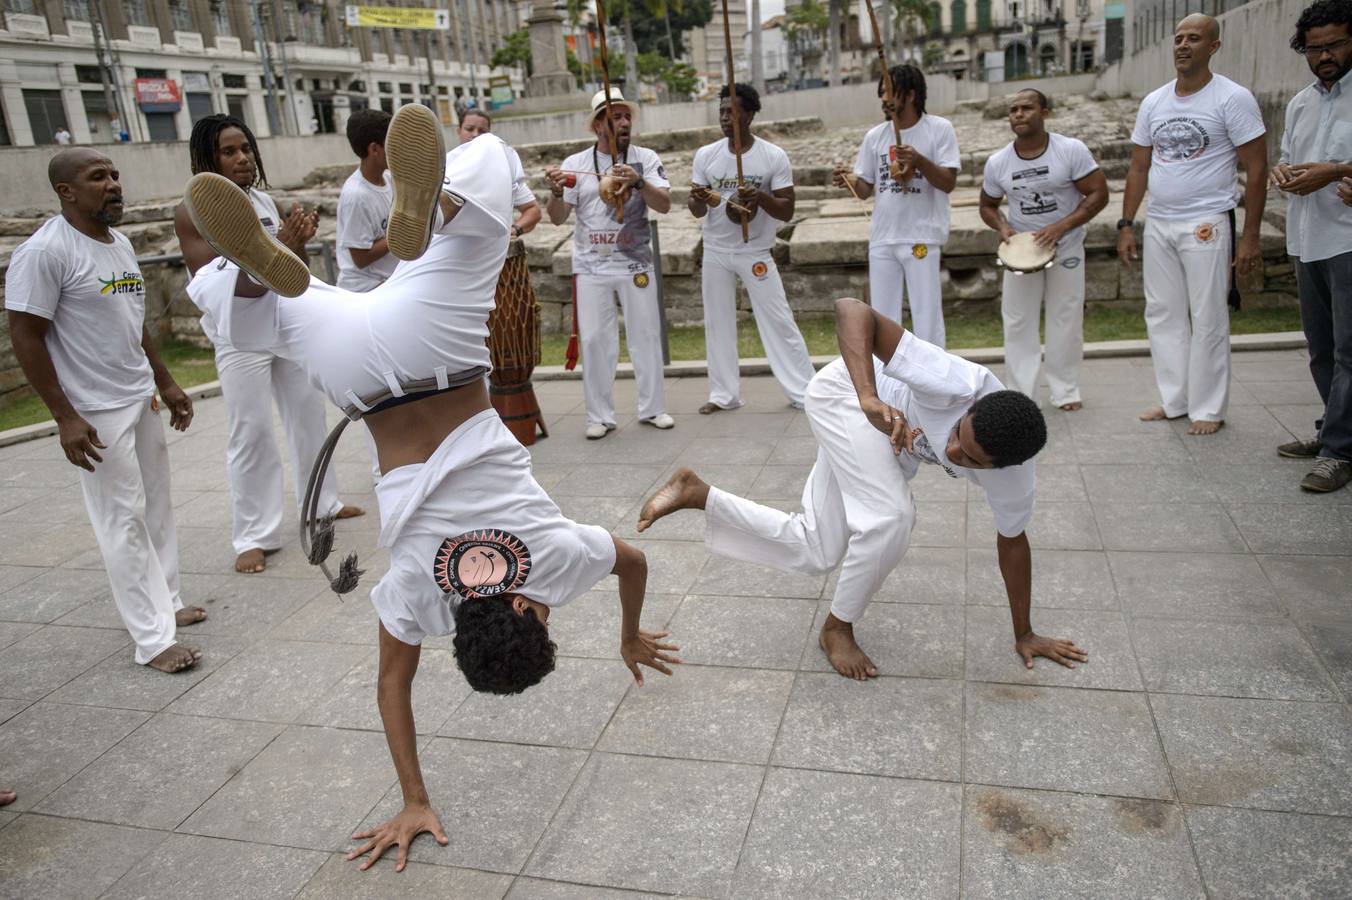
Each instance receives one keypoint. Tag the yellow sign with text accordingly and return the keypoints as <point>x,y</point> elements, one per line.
<point>411,17</point>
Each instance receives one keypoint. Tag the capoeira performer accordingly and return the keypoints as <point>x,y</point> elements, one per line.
<point>1319,232</point>
<point>76,309</point>
<point>364,258</point>
<point>477,548</point>
<point>768,194</point>
<point>930,407</point>
<point>610,258</point>
<point>1054,188</point>
<point>910,219</point>
<point>1188,136</point>
<point>226,146</point>
<point>476,122</point>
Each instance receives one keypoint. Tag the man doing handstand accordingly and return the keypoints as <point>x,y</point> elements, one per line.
<point>857,506</point>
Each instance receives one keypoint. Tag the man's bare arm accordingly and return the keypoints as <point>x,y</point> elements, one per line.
<point>990,213</point>
<point>862,332</point>
<point>1016,568</point>
<point>638,646</point>
<point>374,253</point>
<point>1253,157</point>
<point>174,397</point>
<point>79,441</point>
<point>1138,175</point>
<point>1093,190</point>
<point>527,217</point>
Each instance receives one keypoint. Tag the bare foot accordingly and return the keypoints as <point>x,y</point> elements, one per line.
<point>176,658</point>
<point>1156,414</point>
<point>251,562</point>
<point>189,615</point>
<point>7,796</point>
<point>685,490</point>
<point>1074,405</point>
<point>350,512</point>
<point>843,652</point>
<point>1202,426</point>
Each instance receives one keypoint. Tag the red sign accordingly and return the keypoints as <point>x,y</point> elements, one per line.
<point>158,94</point>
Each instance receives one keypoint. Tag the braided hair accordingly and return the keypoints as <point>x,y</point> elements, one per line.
<point>906,78</point>
<point>205,139</point>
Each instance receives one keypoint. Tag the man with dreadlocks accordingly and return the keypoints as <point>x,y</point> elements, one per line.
<point>225,145</point>
<point>931,407</point>
<point>910,217</point>
<point>477,548</point>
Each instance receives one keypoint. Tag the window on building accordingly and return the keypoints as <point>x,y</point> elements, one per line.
<point>1082,56</point>
<point>4,130</point>
<point>88,75</point>
<point>405,87</point>
<point>22,7</point>
<point>151,73</point>
<point>236,106</point>
<point>936,18</point>
<point>385,87</point>
<point>983,15</point>
<point>387,104</point>
<point>199,106</point>
<point>957,13</point>
<point>231,80</point>
<point>46,114</point>
<point>136,11</point>
<point>76,10</point>
<point>220,18</point>
<point>180,16</point>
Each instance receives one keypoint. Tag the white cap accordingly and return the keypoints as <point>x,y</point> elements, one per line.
<point>598,103</point>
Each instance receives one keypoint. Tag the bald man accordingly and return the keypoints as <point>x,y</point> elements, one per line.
<point>1189,135</point>
<point>76,304</point>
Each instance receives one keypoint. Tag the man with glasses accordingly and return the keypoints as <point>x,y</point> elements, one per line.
<point>1319,231</point>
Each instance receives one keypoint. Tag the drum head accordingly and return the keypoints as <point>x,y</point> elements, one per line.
<point>1022,254</point>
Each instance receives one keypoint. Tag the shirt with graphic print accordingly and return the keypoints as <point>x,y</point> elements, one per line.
<point>601,245</point>
<point>1192,141</point>
<point>766,167</point>
<point>95,298</point>
<point>1041,190</point>
<point>919,214</point>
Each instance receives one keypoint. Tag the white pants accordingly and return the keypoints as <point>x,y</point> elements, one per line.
<point>599,332</point>
<point>1187,280</point>
<point>895,273</point>
<point>779,333</point>
<point>127,496</point>
<point>249,381</point>
<point>857,505</point>
<point>1062,288</point>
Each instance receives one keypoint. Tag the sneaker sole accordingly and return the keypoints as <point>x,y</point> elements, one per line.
<point>415,152</point>
<point>1288,455</point>
<point>228,222</point>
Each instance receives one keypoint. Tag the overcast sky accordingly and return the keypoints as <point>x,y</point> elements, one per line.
<point>769,8</point>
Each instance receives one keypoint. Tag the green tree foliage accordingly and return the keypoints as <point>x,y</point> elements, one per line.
<point>515,51</point>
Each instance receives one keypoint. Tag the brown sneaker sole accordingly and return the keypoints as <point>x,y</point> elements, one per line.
<point>228,222</point>
<point>1303,451</point>
<point>415,152</point>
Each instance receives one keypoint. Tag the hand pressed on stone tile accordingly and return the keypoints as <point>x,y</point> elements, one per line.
<point>399,832</point>
<point>648,650</point>
<point>1056,649</point>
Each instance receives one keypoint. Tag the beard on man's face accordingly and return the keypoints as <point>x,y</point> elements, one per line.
<point>110,213</point>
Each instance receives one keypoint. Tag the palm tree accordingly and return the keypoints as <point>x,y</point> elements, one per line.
<point>804,22</point>
<point>909,14</point>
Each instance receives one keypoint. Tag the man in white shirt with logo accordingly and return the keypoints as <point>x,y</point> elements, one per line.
<point>767,191</point>
<point>930,407</point>
<point>1188,137</point>
<point>910,218</point>
<point>476,122</point>
<point>76,303</point>
<point>252,378</point>
<point>364,258</point>
<point>612,257</point>
<point>1316,153</point>
<point>1054,188</point>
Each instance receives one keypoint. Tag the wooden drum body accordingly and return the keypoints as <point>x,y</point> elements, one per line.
<point>514,347</point>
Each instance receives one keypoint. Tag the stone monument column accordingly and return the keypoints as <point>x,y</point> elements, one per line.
<point>549,61</point>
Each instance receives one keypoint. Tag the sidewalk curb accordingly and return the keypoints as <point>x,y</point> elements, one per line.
<point>698,368</point>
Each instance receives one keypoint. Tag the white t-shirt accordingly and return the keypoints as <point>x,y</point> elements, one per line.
<point>363,216</point>
<point>484,527</point>
<point>765,167</point>
<point>601,245</point>
<point>920,214</point>
<point>522,195</point>
<point>935,389</point>
<point>271,219</point>
<point>1041,190</point>
<point>1193,170</point>
<point>95,298</point>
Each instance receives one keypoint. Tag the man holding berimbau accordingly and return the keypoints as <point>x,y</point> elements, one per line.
<point>1054,188</point>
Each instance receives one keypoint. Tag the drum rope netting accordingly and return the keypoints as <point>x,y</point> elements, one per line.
<point>514,325</point>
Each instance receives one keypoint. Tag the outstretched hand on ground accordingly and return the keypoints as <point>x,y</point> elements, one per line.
<point>647,649</point>
<point>398,832</point>
<point>1056,649</point>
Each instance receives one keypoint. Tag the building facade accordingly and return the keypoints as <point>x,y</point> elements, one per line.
<point>145,70</point>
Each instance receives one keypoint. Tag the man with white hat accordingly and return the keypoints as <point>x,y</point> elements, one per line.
<point>613,255</point>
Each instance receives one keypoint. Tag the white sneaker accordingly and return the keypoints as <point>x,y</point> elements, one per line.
<point>596,431</point>
<point>661,420</point>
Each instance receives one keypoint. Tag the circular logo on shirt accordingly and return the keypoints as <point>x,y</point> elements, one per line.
<point>641,280</point>
<point>1179,139</point>
<point>1070,262</point>
<point>481,564</point>
<point>920,251</point>
<point>759,269</point>
<point>1204,233</point>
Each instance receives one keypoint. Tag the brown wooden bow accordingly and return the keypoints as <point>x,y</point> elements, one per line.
<point>736,114</point>
<point>887,86</point>
<point>610,113</point>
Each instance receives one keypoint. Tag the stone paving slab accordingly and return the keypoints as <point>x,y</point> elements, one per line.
<point>1204,749</point>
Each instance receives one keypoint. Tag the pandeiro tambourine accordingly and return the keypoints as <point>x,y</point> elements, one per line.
<point>1021,254</point>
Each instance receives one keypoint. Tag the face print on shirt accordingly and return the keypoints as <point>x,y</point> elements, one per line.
<point>481,564</point>
<point>1029,189</point>
<point>1179,139</point>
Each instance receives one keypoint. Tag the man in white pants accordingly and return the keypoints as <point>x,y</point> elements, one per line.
<point>1188,136</point>
<point>226,146</point>
<point>910,219</point>
<point>767,192</point>
<point>1054,188</point>
<point>76,306</point>
<point>364,258</point>
<point>612,257</point>
<point>930,407</point>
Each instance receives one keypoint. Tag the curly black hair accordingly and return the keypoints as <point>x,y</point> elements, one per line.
<point>366,127</point>
<point>1009,427</point>
<point>205,141</point>
<point>1319,14</point>
<point>748,98</point>
<point>500,650</point>
<point>906,78</point>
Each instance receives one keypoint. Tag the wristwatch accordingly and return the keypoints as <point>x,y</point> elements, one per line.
<point>638,185</point>
<point>1125,223</point>
<point>516,231</point>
